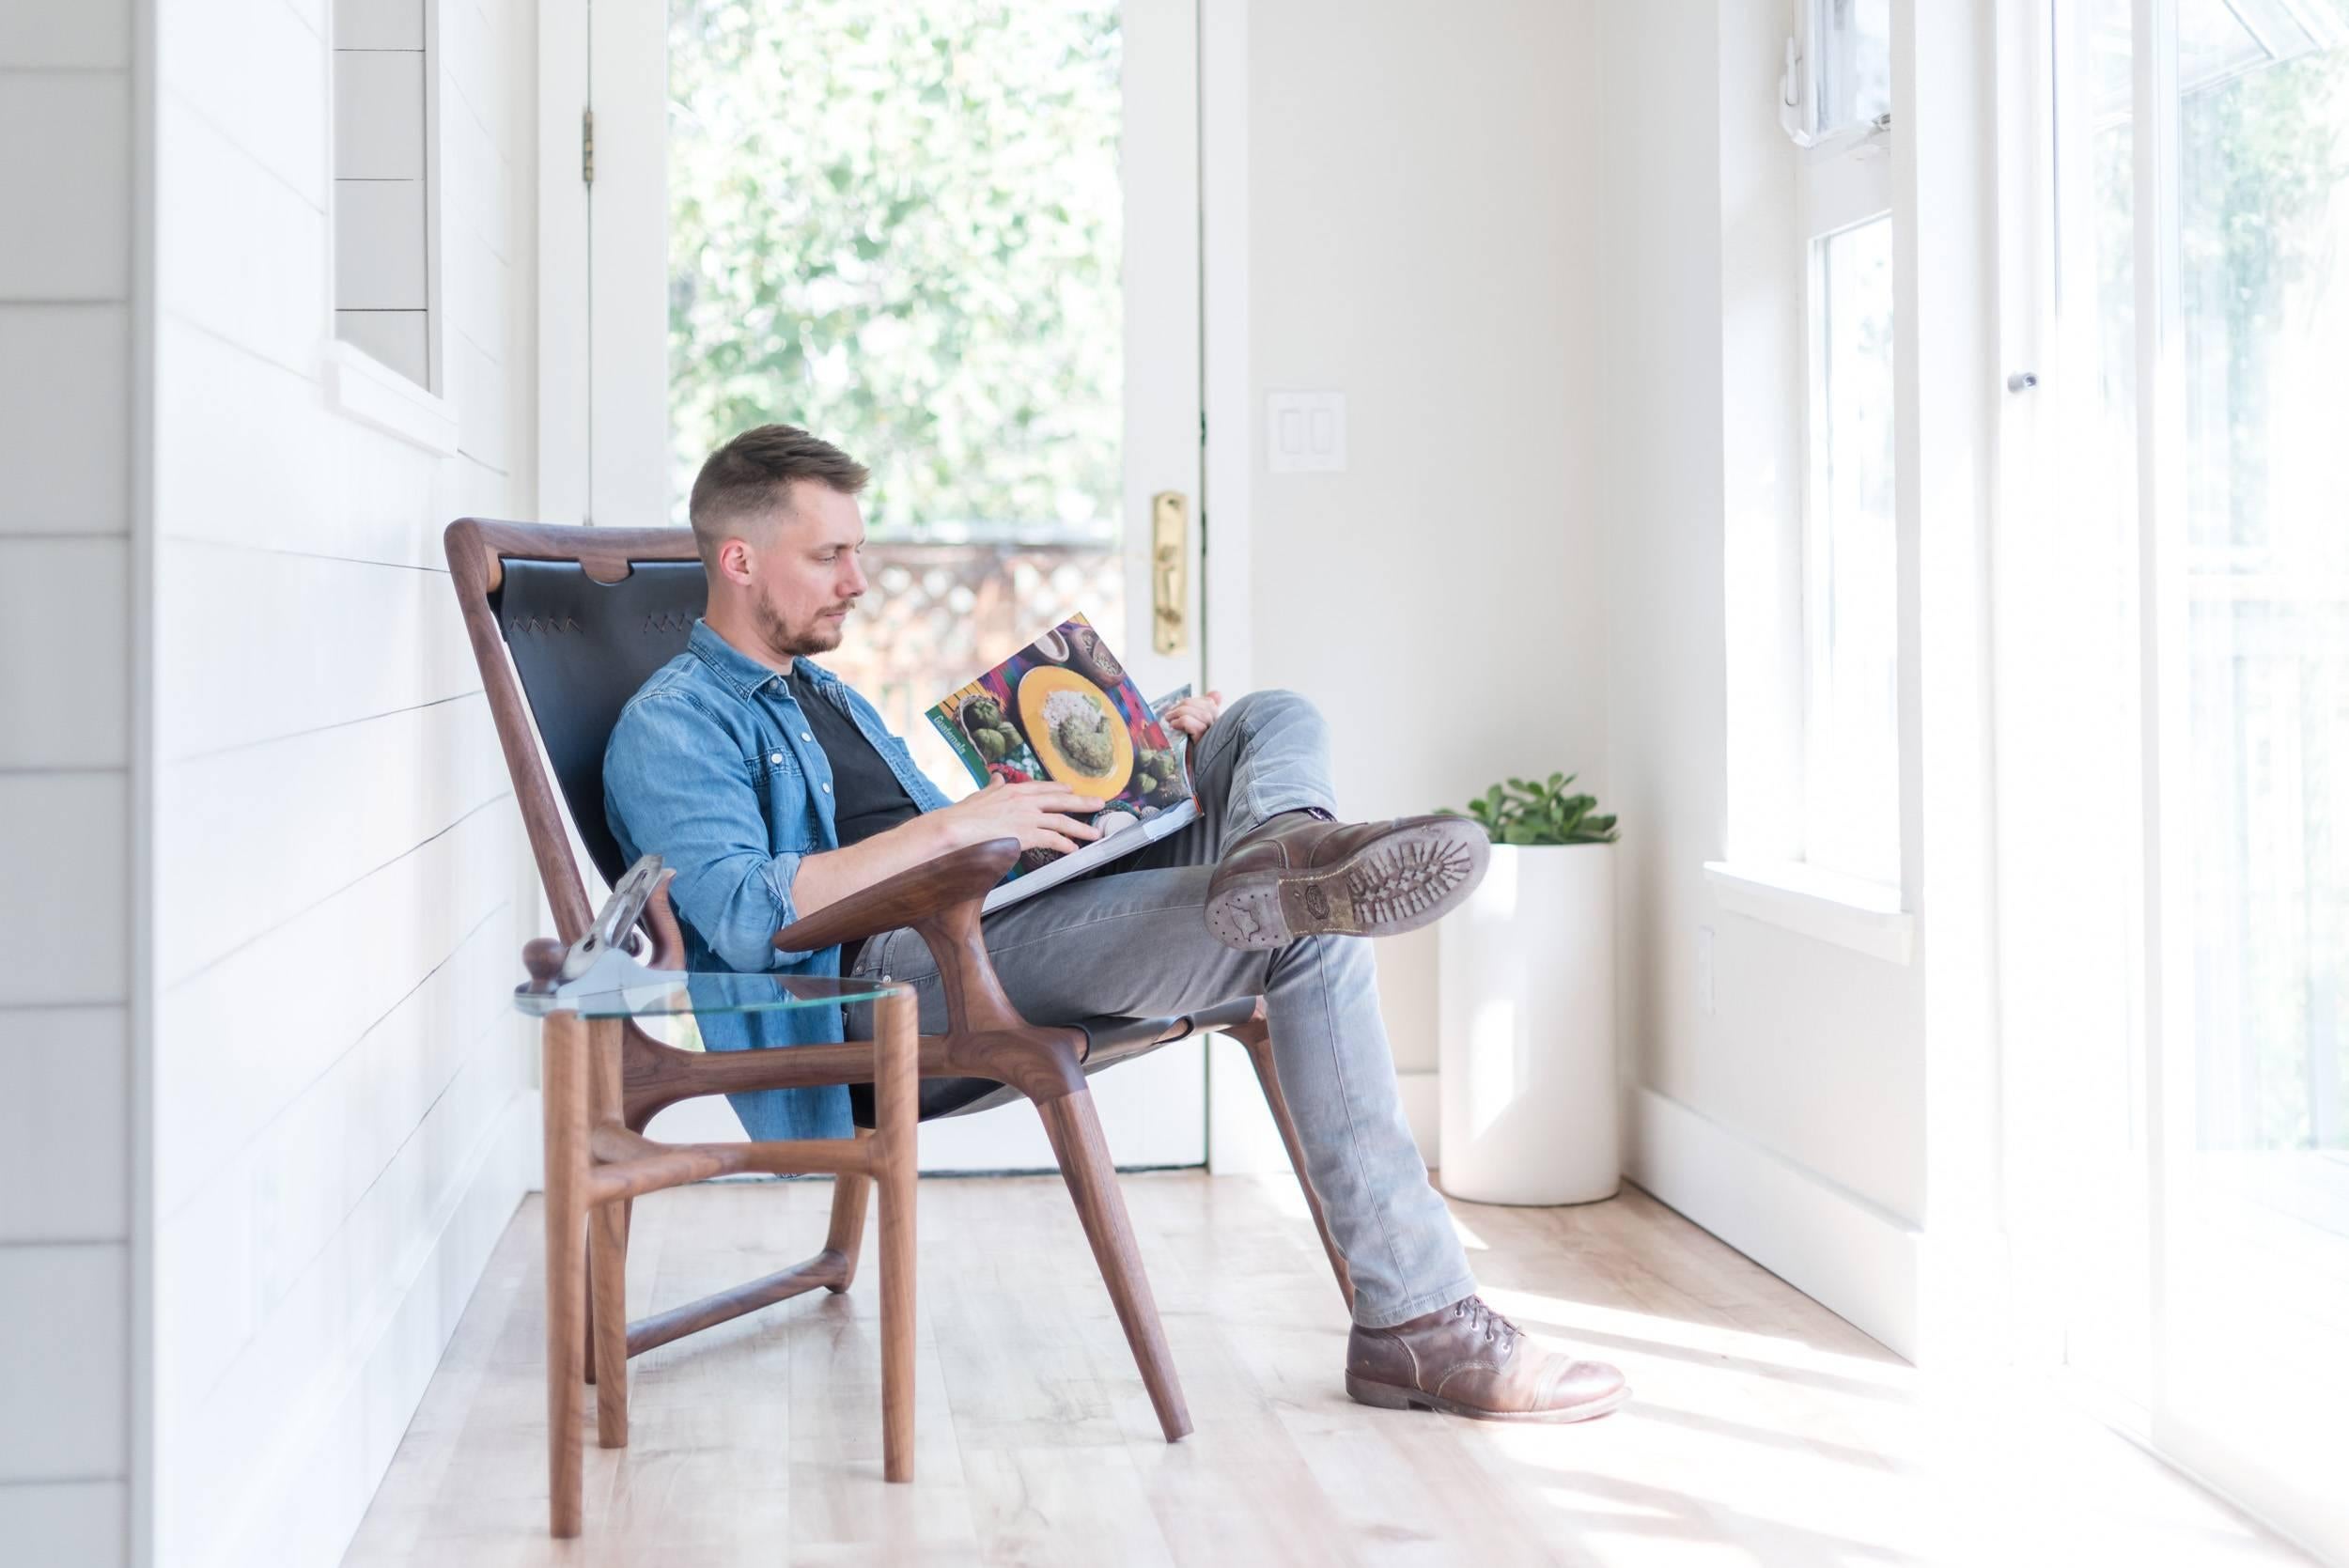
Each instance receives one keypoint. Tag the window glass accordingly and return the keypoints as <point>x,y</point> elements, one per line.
<point>1853,758</point>
<point>1854,53</point>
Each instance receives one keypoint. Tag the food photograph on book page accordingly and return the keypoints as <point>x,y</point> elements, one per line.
<point>1064,709</point>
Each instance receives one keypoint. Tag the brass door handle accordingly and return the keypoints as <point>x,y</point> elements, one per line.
<point>1170,553</point>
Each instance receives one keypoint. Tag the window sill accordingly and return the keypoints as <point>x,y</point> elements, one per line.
<point>1865,917</point>
<point>363,388</point>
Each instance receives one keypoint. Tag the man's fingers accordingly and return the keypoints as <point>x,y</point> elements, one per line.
<point>1047,795</point>
<point>1072,828</point>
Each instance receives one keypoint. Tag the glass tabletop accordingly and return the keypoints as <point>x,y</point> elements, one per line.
<point>681,995</point>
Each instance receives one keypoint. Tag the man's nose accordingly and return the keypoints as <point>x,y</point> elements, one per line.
<point>853,585</point>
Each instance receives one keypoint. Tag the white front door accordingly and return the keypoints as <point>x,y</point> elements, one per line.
<point>961,241</point>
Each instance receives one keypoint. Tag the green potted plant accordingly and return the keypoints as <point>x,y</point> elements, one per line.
<point>1525,815</point>
<point>1526,1006</point>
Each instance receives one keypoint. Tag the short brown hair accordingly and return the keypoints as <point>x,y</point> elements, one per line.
<point>754,471</point>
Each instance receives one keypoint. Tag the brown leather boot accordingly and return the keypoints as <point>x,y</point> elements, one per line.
<point>1468,1359</point>
<point>1298,875</point>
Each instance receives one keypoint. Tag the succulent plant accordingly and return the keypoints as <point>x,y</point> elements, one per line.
<point>1519,812</point>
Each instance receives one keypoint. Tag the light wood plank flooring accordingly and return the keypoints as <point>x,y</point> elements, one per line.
<point>1763,1429</point>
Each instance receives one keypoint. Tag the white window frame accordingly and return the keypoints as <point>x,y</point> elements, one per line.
<point>1843,180</point>
<point>1824,186</point>
<point>354,381</point>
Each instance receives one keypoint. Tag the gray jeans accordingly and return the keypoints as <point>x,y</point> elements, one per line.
<point>1133,939</point>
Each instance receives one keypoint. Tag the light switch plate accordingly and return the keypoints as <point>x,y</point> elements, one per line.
<point>1305,431</point>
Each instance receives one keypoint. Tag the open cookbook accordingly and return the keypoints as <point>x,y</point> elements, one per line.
<point>1064,709</point>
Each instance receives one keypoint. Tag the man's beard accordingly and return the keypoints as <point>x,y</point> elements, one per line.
<point>785,641</point>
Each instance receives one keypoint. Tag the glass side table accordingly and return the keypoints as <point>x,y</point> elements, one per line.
<point>602,1080</point>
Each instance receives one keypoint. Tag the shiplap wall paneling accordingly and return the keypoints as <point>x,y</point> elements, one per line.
<point>340,1106</point>
<point>66,388</point>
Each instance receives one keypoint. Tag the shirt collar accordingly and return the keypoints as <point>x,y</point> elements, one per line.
<point>737,669</point>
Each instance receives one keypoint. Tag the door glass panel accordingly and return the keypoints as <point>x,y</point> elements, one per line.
<point>2255,661</point>
<point>899,226</point>
<point>2264,210</point>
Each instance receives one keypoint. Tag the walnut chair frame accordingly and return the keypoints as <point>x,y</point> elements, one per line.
<point>988,1052</point>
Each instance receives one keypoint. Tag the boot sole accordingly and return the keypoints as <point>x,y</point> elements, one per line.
<point>1411,878</point>
<point>1386,1396</point>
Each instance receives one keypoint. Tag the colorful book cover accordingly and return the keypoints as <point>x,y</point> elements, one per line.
<point>1064,709</point>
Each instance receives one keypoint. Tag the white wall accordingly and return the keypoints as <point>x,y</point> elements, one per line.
<point>339,1102</point>
<point>1423,237</point>
<point>1789,1118</point>
<point>68,278</point>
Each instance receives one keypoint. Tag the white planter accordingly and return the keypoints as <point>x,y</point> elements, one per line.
<point>1526,1009</point>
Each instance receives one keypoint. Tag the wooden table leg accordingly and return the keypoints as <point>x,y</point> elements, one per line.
<point>895,1090</point>
<point>564,1091</point>
<point>607,1253</point>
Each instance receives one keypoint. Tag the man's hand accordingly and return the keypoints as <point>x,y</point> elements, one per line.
<point>1193,715</point>
<point>1040,815</point>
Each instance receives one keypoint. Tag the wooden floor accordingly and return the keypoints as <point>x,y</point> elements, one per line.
<point>1763,1429</point>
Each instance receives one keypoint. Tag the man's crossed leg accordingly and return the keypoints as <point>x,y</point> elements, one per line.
<point>1136,938</point>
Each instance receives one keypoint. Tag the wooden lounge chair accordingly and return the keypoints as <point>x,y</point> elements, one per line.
<point>566,622</point>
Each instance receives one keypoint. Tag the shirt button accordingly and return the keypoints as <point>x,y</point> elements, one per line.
<point>804,735</point>
<point>774,757</point>
<point>827,789</point>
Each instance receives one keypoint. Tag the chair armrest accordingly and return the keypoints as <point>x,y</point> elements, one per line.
<point>958,877</point>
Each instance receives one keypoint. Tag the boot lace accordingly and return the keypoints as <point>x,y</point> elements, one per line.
<point>1478,1317</point>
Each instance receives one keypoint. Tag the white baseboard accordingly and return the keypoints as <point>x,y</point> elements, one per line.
<point>1850,1255</point>
<point>313,1507</point>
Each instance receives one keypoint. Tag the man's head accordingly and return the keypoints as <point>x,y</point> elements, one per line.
<point>775,516</point>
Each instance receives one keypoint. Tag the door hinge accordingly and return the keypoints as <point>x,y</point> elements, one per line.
<point>587,146</point>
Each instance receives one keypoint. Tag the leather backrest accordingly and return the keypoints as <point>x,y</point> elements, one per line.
<point>582,648</point>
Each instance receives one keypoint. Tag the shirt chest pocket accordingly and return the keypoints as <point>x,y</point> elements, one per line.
<point>783,789</point>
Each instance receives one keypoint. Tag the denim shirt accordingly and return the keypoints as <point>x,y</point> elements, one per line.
<point>712,768</point>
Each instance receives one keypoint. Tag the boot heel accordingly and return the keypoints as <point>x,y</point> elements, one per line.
<point>1248,915</point>
<point>1382,1396</point>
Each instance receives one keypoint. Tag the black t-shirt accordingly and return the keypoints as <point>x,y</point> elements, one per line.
<point>867,797</point>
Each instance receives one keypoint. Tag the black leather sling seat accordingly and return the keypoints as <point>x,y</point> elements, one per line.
<point>582,648</point>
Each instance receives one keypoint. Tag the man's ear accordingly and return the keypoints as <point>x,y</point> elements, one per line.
<point>735,561</point>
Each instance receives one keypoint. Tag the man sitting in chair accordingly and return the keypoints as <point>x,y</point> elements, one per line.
<point>775,790</point>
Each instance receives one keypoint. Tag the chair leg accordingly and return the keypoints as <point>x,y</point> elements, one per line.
<point>628,1210</point>
<point>896,1088</point>
<point>605,1105</point>
<point>844,1241</point>
<point>607,1281</point>
<point>1257,1038</point>
<point>1074,1131</point>
<point>563,1080</point>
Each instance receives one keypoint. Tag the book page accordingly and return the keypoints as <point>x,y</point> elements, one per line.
<point>1064,709</point>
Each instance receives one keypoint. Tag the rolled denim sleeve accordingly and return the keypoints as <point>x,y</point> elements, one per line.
<point>676,785</point>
